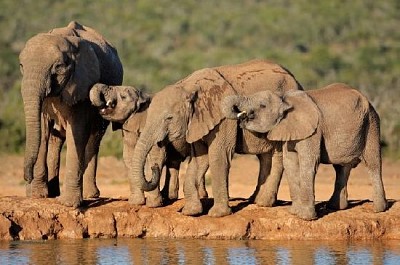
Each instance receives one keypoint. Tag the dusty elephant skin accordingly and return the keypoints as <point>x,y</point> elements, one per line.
<point>333,125</point>
<point>58,69</point>
<point>34,219</point>
<point>189,110</point>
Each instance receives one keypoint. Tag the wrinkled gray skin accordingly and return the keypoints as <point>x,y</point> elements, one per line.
<point>189,110</point>
<point>59,68</point>
<point>333,125</point>
<point>126,107</point>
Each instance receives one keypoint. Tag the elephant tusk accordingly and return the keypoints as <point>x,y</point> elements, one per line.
<point>241,115</point>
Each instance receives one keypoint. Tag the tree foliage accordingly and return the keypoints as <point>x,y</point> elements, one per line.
<point>159,42</point>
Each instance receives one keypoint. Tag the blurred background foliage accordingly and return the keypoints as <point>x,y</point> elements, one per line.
<point>160,42</point>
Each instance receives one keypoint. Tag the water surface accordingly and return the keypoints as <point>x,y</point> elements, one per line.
<point>219,252</point>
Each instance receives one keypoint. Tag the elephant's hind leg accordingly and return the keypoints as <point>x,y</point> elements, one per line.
<point>90,189</point>
<point>338,200</point>
<point>56,142</point>
<point>372,158</point>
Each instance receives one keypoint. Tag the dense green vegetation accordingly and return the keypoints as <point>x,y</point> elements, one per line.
<point>159,42</point>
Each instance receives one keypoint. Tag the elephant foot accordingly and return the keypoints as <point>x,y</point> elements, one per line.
<point>36,190</point>
<point>380,205</point>
<point>73,201</point>
<point>265,199</point>
<point>137,199</point>
<point>154,201</point>
<point>92,192</point>
<point>192,208</point>
<point>307,213</point>
<point>337,204</point>
<point>219,210</point>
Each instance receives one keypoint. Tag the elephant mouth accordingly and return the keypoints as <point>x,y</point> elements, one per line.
<point>106,111</point>
<point>108,108</point>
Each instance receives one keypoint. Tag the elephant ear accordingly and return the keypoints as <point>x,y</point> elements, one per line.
<point>209,89</point>
<point>86,71</point>
<point>300,121</point>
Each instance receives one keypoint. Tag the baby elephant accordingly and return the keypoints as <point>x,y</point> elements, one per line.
<point>126,107</point>
<point>334,125</point>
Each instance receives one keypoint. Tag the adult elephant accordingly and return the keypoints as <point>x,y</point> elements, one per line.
<point>190,110</point>
<point>333,125</point>
<point>59,68</point>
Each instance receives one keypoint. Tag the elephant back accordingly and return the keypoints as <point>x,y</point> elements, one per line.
<point>257,75</point>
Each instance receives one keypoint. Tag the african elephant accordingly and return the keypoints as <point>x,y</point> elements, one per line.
<point>126,107</point>
<point>334,125</point>
<point>190,110</point>
<point>59,68</point>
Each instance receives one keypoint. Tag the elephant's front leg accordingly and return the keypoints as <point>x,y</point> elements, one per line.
<point>291,166</point>
<point>220,154</point>
<point>194,170</point>
<point>38,187</point>
<point>77,138</point>
<point>270,175</point>
<point>308,164</point>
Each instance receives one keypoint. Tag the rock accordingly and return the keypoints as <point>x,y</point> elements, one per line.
<point>31,219</point>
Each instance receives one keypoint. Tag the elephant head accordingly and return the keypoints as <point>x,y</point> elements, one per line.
<point>293,116</point>
<point>117,103</point>
<point>53,65</point>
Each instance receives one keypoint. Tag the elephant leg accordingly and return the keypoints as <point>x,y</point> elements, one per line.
<point>198,157</point>
<point>291,165</point>
<point>171,185</point>
<point>202,167</point>
<point>373,161</point>
<point>77,135</point>
<point>154,197</point>
<point>56,142</point>
<point>90,189</point>
<point>338,200</point>
<point>270,175</point>
<point>220,162</point>
<point>308,165</point>
<point>38,187</point>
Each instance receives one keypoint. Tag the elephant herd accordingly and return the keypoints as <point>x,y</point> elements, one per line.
<point>72,89</point>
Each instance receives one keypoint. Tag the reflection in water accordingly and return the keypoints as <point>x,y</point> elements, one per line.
<point>170,251</point>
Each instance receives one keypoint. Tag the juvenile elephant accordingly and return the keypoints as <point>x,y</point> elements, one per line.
<point>126,107</point>
<point>189,110</point>
<point>334,125</point>
<point>59,68</point>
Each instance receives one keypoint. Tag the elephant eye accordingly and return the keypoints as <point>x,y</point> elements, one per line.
<point>262,106</point>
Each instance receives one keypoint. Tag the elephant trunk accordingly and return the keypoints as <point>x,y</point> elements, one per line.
<point>32,98</point>
<point>142,149</point>
<point>102,96</point>
<point>231,107</point>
